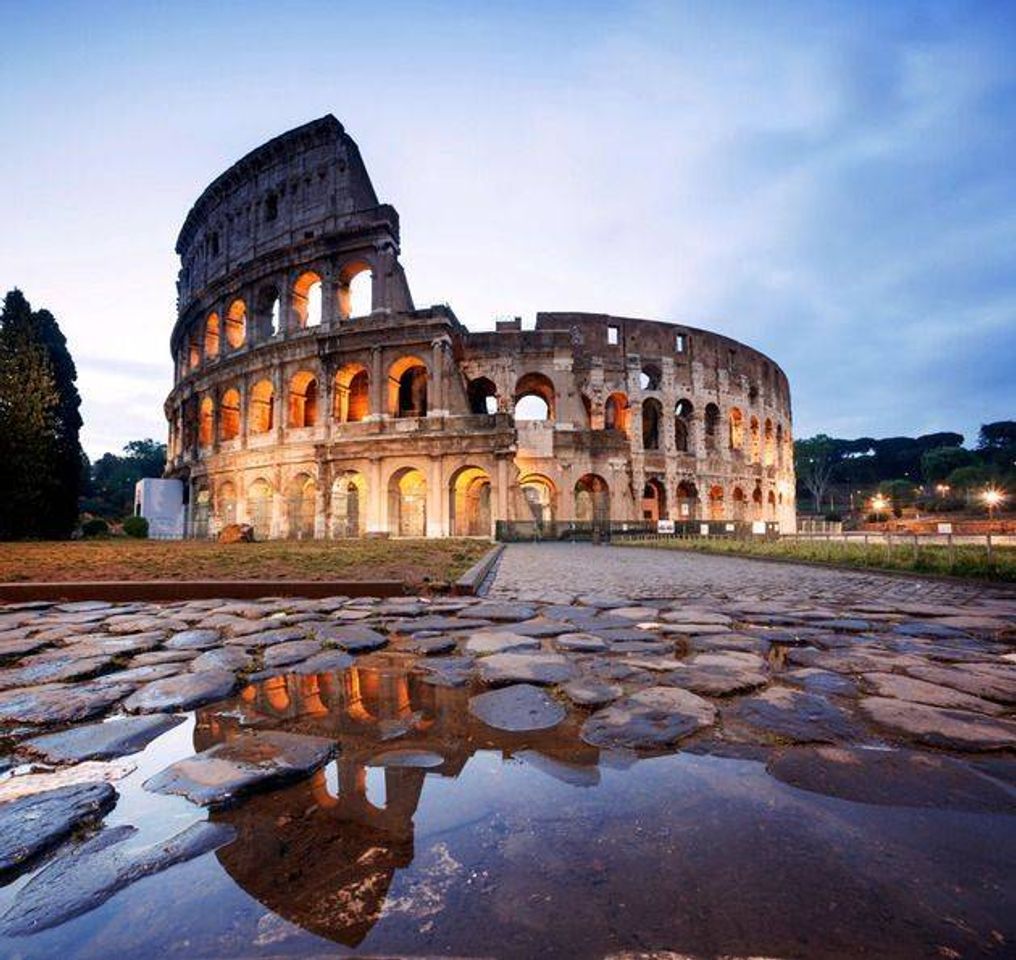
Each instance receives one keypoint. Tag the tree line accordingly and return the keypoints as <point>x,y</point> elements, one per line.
<point>935,465</point>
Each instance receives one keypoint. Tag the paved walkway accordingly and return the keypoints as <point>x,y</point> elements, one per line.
<point>559,572</point>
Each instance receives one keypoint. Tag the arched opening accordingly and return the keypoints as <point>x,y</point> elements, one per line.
<point>769,450</point>
<point>654,500</point>
<point>650,377</point>
<point>349,505</point>
<point>756,502</point>
<point>469,502</point>
<point>356,290</point>
<point>771,500</point>
<point>407,503</point>
<point>736,429</point>
<point>259,508</point>
<point>652,414</point>
<point>352,393</point>
<point>716,503</point>
<point>615,413</point>
<point>407,388</point>
<point>482,395</point>
<point>682,425</point>
<point>740,504</point>
<point>262,407</point>
<point>229,415</point>
<point>756,441</point>
<point>539,494</point>
<point>212,335</point>
<point>534,398</point>
<point>226,502</point>
<point>592,500</point>
<point>193,351</point>
<point>307,302</point>
<point>269,311</point>
<point>303,400</point>
<point>236,324</point>
<point>301,493</point>
<point>779,444</point>
<point>201,514</point>
<point>206,422</point>
<point>687,496</point>
<point>712,424</point>
<point>587,406</point>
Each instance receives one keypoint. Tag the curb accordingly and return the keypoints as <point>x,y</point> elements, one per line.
<point>469,583</point>
<point>171,590</point>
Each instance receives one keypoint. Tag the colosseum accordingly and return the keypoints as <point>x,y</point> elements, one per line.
<point>313,398</point>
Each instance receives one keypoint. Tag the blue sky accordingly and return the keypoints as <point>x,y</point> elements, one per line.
<point>834,184</point>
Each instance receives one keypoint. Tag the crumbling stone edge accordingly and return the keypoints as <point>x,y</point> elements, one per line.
<point>470,582</point>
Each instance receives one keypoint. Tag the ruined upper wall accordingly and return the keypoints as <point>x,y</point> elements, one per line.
<point>300,185</point>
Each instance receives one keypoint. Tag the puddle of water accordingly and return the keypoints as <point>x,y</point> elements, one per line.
<point>522,845</point>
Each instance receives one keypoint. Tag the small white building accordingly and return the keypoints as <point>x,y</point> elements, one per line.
<point>160,502</point>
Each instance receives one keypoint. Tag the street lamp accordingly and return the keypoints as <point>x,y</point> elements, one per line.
<point>992,498</point>
<point>879,504</point>
<point>942,489</point>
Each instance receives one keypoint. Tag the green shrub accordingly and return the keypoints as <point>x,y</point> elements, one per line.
<point>96,527</point>
<point>136,527</point>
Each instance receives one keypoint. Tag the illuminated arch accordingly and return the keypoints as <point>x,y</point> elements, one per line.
<point>206,422</point>
<point>469,502</point>
<point>303,400</point>
<point>540,388</point>
<point>212,335</point>
<point>349,505</point>
<point>616,412</point>
<point>236,324</point>
<point>229,415</point>
<point>407,387</point>
<point>407,503</point>
<point>307,300</point>
<point>352,393</point>
<point>301,495</point>
<point>262,407</point>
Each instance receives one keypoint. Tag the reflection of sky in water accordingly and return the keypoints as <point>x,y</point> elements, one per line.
<point>534,845</point>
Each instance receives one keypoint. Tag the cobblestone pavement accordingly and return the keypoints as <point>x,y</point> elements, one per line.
<point>558,572</point>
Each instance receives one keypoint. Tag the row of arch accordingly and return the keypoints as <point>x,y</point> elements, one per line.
<point>217,335</point>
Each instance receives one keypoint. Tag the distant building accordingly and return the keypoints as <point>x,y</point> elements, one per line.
<point>312,398</point>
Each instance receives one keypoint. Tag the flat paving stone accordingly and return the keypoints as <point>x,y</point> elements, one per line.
<point>283,654</point>
<point>652,718</point>
<point>721,674</point>
<point>16,647</point>
<point>940,727</point>
<point>58,669</point>
<point>490,641</point>
<point>183,692</point>
<point>429,646</point>
<point>503,612</point>
<point>517,708</point>
<point>355,638</point>
<point>33,824</point>
<point>87,875</point>
<point>194,640</point>
<point>994,682</point>
<point>920,691</point>
<point>824,682</point>
<point>892,778</point>
<point>60,702</point>
<point>585,692</point>
<point>580,643</point>
<point>252,761</point>
<point>229,659</point>
<point>544,668</point>
<point>102,741</point>
<point>409,758</point>
<point>327,661</point>
<point>793,715</point>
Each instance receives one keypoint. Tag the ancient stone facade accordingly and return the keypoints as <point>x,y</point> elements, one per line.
<point>313,399</point>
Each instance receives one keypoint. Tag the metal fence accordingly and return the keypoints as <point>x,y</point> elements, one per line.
<point>514,531</point>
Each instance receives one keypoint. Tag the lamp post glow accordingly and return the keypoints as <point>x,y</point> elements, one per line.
<point>879,504</point>
<point>992,498</point>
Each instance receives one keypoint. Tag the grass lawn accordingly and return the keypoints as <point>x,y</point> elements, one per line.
<point>411,561</point>
<point>966,561</point>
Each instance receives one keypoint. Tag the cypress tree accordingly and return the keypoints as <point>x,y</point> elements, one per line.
<point>40,454</point>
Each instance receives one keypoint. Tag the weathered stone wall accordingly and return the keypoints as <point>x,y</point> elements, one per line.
<point>293,411</point>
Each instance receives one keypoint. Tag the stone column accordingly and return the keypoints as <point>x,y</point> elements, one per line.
<point>377,520</point>
<point>501,500</point>
<point>329,298</point>
<point>436,523</point>
<point>436,406</point>
<point>377,386</point>
<point>244,411</point>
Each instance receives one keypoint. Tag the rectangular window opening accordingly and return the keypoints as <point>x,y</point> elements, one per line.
<point>613,336</point>
<point>679,343</point>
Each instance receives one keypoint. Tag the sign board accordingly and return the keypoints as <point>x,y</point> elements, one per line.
<point>685,509</point>
<point>758,526</point>
<point>664,526</point>
<point>704,529</point>
<point>945,528</point>
<point>730,528</point>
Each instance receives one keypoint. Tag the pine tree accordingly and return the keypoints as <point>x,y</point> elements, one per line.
<point>39,422</point>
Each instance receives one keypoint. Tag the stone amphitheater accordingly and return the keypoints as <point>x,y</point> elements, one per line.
<point>313,398</point>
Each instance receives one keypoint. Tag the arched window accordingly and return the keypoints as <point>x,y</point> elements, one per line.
<point>683,411</point>
<point>534,398</point>
<point>269,311</point>
<point>307,300</point>
<point>356,290</point>
<point>229,415</point>
<point>469,502</point>
<point>712,423</point>
<point>352,393</point>
<point>779,444</point>
<point>303,400</point>
<point>262,404</point>
<point>756,441</point>
<point>687,496</point>
<point>736,429</point>
<point>206,421</point>
<point>259,508</point>
<point>771,501</point>
<point>615,413</point>
<point>740,503</point>
<point>654,500</point>
<point>407,388</point>
<point>650,377</point>
<point>407,503</point>
<point>236,324</point>
<point>539,494</point>
<point>349,505</point>
<point>716,503</point>
<point>592,500</point>
<point>212,335</point>
<point>193,351</point>
<point>652,414</point>
<point>756,501</point>
<point>301,493</point>
<point>482,394</point>
<point>769,449</point>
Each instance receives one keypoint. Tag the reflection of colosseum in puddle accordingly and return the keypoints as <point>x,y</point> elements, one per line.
<point>312,398</point>
<point>322,853</point>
